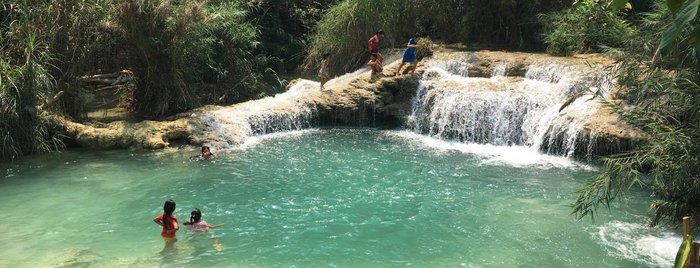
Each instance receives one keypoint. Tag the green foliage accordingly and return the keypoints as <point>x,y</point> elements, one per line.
<point>685,13</point>
<point>683,252</point>
<point>24,83</point>
<point>180,47</point>
<point>346,27</point>
<point>285,26</point>
<point>220,49</point>
<point>589,26</point>
<point>663,97</point>
<point>153,28</point>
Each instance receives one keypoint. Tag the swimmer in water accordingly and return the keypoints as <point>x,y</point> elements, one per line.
<point>206,153</point>
<point>197,224</point>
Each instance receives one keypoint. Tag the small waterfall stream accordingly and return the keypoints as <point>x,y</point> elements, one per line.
<point>508,110</point>
<point>288,111</point>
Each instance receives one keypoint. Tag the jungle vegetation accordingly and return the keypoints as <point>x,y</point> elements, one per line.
<point>173,55</point>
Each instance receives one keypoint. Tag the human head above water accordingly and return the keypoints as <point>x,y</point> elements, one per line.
<point>169,207</point>
<point>205,149</point>
<point>195,215</point>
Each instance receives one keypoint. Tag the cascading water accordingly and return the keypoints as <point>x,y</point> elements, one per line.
<point>508,110</point>
<point>288,111</point>
<point>291,110</point>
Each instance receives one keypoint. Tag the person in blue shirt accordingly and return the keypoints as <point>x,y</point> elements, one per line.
<point>409,55</point>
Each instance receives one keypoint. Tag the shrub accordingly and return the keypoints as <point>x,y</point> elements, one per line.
<point>588,26</point>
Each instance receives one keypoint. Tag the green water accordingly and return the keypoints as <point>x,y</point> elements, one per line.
<point>325,198</point>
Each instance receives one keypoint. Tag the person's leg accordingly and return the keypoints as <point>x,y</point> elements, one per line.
<point>324,79</point>
<point>216,243</point>
<point>414,65</point>
<point>169,245</point>
<point>398,71</point>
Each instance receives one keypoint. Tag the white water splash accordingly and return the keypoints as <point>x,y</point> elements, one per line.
<point>499,71</point>
<point>252,141</point>
<point>639,243</point>
<point>516,156</point>
<point>522,111</point>
<point>288,111</point>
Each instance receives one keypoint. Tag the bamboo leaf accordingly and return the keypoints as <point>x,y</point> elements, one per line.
<point>674,5</point>
<point>668,37</point>
<point>687,12</point>
<point>620,4</point>
<point>683,252</point>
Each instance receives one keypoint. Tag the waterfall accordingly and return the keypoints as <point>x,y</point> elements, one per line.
<point>288,111</point>
<point>508,110</point>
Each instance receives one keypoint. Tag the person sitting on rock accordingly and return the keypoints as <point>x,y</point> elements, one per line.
<point>375,63</point>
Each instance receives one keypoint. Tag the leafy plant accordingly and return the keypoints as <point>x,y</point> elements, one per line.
<point>24,83</point>
<point>589,26</point>
<point>663,95</point>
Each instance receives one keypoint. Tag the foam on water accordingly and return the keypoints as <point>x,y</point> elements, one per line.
<point>638,242</point>
<point>516,156</point>
<point>253,141</point>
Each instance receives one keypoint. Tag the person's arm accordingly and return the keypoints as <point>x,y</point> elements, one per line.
<point>158,220</point>
<point>212,226</point>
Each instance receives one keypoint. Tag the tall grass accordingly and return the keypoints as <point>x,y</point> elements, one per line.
<point>152,28</point>
<point>24,83</point>
<point>178,46</point>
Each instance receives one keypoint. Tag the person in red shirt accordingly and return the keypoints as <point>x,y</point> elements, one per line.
<point>169,223</point>
<point>374,45</point>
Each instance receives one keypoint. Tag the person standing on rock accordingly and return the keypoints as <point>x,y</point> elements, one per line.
<point>323,72</point>
<point>374,45</point>
<point>409,55</point>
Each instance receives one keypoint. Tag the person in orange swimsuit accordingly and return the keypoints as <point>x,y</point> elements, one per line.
<point>169,223</point>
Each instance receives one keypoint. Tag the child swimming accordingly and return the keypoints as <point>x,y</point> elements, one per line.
<point>197,224</point>
<point>206,153</point>
<point>169,223</point>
